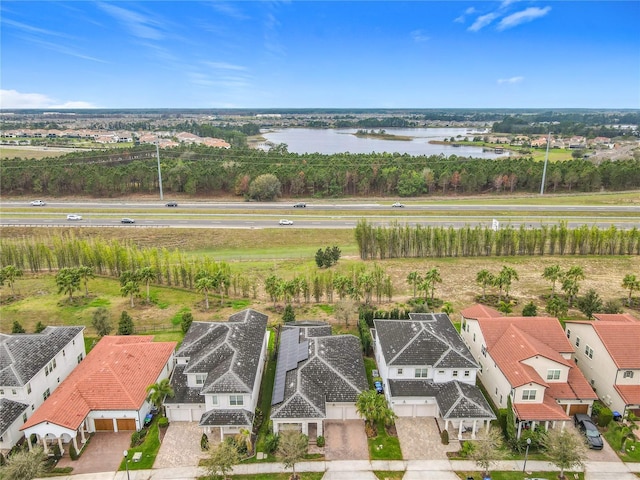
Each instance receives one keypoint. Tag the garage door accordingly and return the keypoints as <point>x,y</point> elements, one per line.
<point>126,424</point>
<point>426,410</point>
<point>573,409</point>
<point>103,424</point>
<point>403,410</point>
<point>179,414</point>
<point>334,412</point>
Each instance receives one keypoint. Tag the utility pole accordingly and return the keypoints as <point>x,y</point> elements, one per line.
<point>546,160</point>
<point>159,171</point>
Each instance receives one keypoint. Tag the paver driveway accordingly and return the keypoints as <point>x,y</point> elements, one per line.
<point>103,454</point>
<point>345,440</point>
<point>181,445</point>
<point>420,439</point>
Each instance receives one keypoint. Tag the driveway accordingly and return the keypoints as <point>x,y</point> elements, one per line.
<point>345,440</point>
<point>181,445</point>
<point>420,439</point>
<point>103,454</point>
<point>607,454</point>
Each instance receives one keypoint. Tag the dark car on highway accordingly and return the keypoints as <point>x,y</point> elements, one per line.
<point>589,430</point>
<point>172,204</point>
<point>127,220</point>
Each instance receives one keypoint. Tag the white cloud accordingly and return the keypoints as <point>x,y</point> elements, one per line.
<point>510,81</point>
<point>12,99</point>
<point>419,36</point>
<point>224,66</point>
<point>524,16</point>
<point>462,18</point>
<point>137,24</point>
<point>482,21</point>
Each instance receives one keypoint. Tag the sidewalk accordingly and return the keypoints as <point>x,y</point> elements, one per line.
<point>362,470</point>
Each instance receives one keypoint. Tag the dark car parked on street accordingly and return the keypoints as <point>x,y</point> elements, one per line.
<point>589,430</point>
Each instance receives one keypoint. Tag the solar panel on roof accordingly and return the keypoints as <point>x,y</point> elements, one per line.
<point>289,354</point>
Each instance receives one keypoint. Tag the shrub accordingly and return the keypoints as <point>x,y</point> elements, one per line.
<point>605,416</point>
<point>163,422</point>
<point>320,441</point>
<point>271,443</point>
<point>466,449</point>
<point>72,452</point>
<point>138,437</point>
<point>204,442</point>
<point>444,437</point>
<point>186,321</point>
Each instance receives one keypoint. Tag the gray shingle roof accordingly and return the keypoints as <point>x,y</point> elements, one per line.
<point>460,400</point>
<point>9,412</point>
<point>428,339</point>
<point>181,392</point>
<point>412,388</point>
<point>223,418</point>
<point>24,355</point>
<point>228,352</point>
<point>333,372</point>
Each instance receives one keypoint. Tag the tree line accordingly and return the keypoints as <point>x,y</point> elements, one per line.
<point>406,241</point>
<point>199,170</point>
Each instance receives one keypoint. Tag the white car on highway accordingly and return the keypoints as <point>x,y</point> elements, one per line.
<point>286,222</point>
<point>38,203</point>
<point>74,216</point>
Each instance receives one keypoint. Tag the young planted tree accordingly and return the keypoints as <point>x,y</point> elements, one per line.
<point>570,283</point>
<point>125,325</point>
<point>433,277</point>
<point>185,323</point>
<point>8,275</point>
<point>17,327</point>
<point>292,447</point>
<point>484,278</point>
<point>413,279</point>
<point>507,276</point>
<point>24,465</point>
<point>530,310</point>
<point>147,275</point>
<point>626,432</point>
<point>552,273</point>
<point>68,281</point>
<point>344,310</point>
<point>486,449</point>
<point>220,461</point>
<point>557,307</point>
<point>565,449</point>
<point>204,284</point>
<point>630,282</point>
<point>130,289</point>
<point>591,303</point>
<point>85,274</point>
<point>101,322</point>
<point>289,315</point>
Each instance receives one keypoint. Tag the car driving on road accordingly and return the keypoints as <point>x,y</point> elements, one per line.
<point>299,205</point>
<point>589,430</point>
<point>74,216</point>
<point>172,204</point>
<point>38,203</point>
<point>285,222</point>
<point>127,220</point>
<point>398,205</point>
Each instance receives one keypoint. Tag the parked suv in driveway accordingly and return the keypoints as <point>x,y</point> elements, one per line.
<point>589,430</point>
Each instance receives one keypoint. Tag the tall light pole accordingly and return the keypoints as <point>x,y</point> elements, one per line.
<point>526,454</point>
<point>546,160</point>
<point>126,464</point>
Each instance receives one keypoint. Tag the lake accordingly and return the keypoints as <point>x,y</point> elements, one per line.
<point>330,141</point>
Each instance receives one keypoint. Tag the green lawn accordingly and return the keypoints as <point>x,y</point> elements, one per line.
<point>501,475</point>
<point>149,449</point>
<point>383,446</point>
<point>275,476</point>
<point>369,366</point>
<point>614,438</point>
<point>388,475</point>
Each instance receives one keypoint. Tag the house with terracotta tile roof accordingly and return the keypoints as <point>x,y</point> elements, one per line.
<point>528,359</point>
<point>218,371</point>
<point>107,391</point>
<point>427,371</point>
<point>31,368</point>
<point>318,378</point>
<point>606,351</point>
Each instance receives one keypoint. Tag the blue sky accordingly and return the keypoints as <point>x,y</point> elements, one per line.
<point>331,54</point>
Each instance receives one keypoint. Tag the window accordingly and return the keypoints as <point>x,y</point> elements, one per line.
<point>14,391</point>
<point>54,363</point>
<point>483,350</point>
<point>500,399</point>
<point>467,373</point>
<point>236,400</point>
<point>628,374</point>
<point>79,358</point>
<point>28,388</point>
<point>399,371</point>
<point>553,374</point>
<point>63,354</point>
<point>440,372</point>
<point>46,394</point>
<point>1,392</point>
<point>200,378</point>
<point>588,351</point>
<point>577,341</point>
<point>568,333</point>
<point>528,394</point>
<point>421,373</point>
<point>33,407</point>
<point>496,390</point>
<point>46,370</point>
<point>24,418</point>
<point>474,337</point>
<point>455,373</point>
<point>214,399</point>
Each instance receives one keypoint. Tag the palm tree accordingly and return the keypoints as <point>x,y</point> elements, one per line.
<point>553,274</point>
<point>157,392</point>
<point>205,284</point>
<point>484,278</point>
<point>433,276</point>
<point>85,274</point>
<point>631,283</point>
<point>244,438</point>
<point>68,281</point>
<point>508,274</point>
<point>414,279</point>
<point>147,275</point>
<point>626,433</point>
<point>130,289</point>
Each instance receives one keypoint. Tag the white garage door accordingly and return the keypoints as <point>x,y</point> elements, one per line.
<point>403,410</point>
<point>350,413</point>
<point>426,410</point>
<point>335,412</point>
<point>415,410</point>
<point>179,414</point>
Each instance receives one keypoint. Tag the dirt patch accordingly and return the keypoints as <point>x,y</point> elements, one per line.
<point>345,440</point>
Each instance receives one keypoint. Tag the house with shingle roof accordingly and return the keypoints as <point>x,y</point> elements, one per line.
<point>31,367</point>
<point>218,371</point>
<point>318,377</point>
<point>528,359</point>
<point>606,351</point>
<point>427,371</point>
<point>107,391</point>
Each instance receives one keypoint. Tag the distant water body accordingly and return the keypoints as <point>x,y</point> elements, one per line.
<point>330,141</point>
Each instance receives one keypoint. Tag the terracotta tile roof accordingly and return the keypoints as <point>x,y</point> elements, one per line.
<point>629,393</point>
<point>113,376</point>
<point>615,317</point>
<point>478,310</point>
<point>547,410</point>
<point>576,387</point>
<point>545,329</point>
<point>621,339</point>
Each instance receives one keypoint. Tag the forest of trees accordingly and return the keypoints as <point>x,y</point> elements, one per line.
<point>204,171</point>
